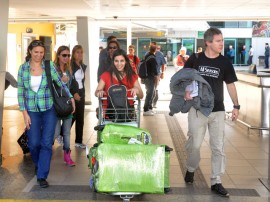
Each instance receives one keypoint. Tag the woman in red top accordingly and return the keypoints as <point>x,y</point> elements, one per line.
<point>121,73</point>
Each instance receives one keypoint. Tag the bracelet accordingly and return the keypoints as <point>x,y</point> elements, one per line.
<point>236,107</point>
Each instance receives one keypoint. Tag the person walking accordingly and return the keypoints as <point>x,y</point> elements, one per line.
<point>134,59</point>
<point>266,56</point>
<point>243,54</point>
<point>151,80</point>
<point>62,63</point>
<point>250,55</point>
<point>36,104</point>
<point>106,54</point>
<point>215,69</point>
<point>161,66</point>
<point>180,59</point>
<point>78,69</point>
<point>231,54</point>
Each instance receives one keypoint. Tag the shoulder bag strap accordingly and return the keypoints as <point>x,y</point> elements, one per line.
<point>48,75</point>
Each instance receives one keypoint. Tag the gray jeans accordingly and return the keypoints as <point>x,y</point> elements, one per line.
<point>197,126</point>
<point>150,89</point>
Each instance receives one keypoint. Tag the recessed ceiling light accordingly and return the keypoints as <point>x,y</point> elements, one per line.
<point>135,5</point>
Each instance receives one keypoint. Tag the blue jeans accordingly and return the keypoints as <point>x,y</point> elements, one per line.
<point>40,140</point>
<point>150,90</point>
<point>266,61</point>
<point>66,126</point>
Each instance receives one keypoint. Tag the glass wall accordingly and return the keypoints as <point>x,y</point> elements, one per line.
<point>241,47</point>
<point>169,46</point>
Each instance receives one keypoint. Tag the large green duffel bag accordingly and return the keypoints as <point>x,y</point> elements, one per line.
<point>130,168</point>
<point>122,134</point>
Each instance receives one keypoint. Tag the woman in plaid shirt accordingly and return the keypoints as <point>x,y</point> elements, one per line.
<point>36,103</point>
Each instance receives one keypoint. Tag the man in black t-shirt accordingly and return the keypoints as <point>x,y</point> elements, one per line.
<point>215,69</point>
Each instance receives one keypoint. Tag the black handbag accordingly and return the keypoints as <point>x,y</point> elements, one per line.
<point>23,142</point>
<point>61,100</point>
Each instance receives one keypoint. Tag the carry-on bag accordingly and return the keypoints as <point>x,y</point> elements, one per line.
<point>122,134</point>
<point>23,142</point>
<point>129,168</point>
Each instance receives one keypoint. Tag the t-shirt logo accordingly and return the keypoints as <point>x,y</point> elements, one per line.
<point>209,71</point>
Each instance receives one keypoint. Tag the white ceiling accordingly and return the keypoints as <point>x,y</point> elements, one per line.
<point>147,14</point>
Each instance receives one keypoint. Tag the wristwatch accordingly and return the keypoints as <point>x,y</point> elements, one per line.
<point>236,107</point>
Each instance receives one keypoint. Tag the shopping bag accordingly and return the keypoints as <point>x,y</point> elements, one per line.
<point>23,142</point>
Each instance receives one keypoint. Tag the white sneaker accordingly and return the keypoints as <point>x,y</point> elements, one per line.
<point>154,112</point>
<point>80,145</point>
<point>148,113</point>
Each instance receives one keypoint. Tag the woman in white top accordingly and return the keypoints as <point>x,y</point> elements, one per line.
<point>78,72</point>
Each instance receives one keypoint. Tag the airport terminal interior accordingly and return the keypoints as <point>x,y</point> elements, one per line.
<point>246,151</point>
<point>247,172</point>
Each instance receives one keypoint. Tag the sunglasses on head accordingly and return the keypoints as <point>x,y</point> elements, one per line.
<point>113,47</point>
<point>65,55</point>
<point>37,43</point>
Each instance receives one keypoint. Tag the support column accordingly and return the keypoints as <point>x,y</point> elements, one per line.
<point>3,60</point>
<point>129,34</point>
<point>83,40</point>
<point>94,38</point>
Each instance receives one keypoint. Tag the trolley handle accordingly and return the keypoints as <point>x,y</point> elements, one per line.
<point>129,98</point>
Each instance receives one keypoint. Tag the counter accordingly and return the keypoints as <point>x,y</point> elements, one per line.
<point>254,95</point>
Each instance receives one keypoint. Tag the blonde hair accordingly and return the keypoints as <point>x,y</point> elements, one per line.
<point>56,61</point>
<point>75,48</point>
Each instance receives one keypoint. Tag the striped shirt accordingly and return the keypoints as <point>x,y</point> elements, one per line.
<point>41,100</point>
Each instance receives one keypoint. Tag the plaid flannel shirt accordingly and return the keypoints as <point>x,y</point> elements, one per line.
<point>41,100</point>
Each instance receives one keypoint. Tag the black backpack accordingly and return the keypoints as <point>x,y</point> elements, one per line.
<point>118,108</point>
<point>142,67</point>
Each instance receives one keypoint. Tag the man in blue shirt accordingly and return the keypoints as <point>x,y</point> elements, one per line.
<point>161,66</point>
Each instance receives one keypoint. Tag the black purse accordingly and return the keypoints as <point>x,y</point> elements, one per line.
<point>23,142</point>
<point>61,100</point>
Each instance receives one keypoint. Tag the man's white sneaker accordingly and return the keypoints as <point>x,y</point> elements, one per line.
<point>80,145</point>
<point>154,112</point>
<point>148,113</point>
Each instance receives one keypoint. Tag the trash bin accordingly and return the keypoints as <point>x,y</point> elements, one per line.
<point>261,60</point>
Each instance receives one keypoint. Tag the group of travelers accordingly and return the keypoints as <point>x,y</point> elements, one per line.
<point>118,67</point>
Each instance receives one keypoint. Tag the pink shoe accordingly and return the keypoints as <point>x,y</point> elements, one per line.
<point>68,159</point>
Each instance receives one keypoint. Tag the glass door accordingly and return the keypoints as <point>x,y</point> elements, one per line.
<point>227,52</point>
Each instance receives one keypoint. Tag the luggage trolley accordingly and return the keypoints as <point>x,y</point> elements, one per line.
<point>129,116</point>
<point>110,159</point>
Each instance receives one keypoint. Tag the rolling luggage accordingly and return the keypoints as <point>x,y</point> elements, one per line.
<point>130,168</point>
<point>124,162</point>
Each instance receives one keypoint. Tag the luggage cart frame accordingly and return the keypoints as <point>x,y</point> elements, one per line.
<point>104,113</point>
<point>103,118</point>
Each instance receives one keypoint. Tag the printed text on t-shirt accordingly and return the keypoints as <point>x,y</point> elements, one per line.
<point>209,71</point>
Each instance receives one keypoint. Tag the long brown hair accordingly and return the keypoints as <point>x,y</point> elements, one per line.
<point>75,48</point>
<point>127,69</point>
<point>67,66</point>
